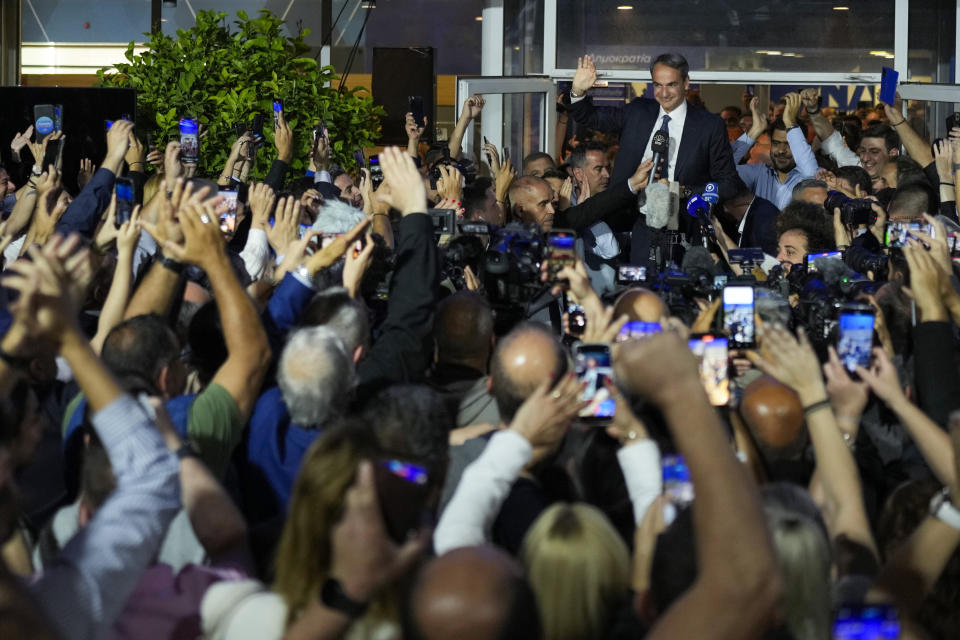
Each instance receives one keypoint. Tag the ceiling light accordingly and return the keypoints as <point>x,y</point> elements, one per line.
<point>479,18</point>
<point>625,7</point>
<point>773,53</point>
<point>841,8</point>
<point>882,54</point>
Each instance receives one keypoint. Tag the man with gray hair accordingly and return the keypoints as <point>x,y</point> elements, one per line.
<point>811,190</point>
<point>316,376</point>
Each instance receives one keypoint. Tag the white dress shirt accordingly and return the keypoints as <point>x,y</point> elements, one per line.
<point>675,128</point>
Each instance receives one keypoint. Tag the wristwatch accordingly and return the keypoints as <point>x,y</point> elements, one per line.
<point>333,596</point>
<point>943,509</point>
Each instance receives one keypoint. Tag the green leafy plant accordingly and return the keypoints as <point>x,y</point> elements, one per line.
<point>225,76</point>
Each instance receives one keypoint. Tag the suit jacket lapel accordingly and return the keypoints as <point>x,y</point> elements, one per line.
<point>688,143</point>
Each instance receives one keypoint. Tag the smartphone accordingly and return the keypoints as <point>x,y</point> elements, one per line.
<point>560,251</point>
<point>712,353</point>
<point>403,489</point>
<point>277,110</point>
<point>58,117</point>
<point>630,273</point>
<point>189,141</point>
<point>855,335</point>
<point>750,89</point>
<point>738,320</point>
<point>594,367</point>
<point>124,189</point>
<point>810,258</point>
<point>44,116</point>
<point>360,161</point>
<point>636,329</point>
<point>867,622</point>
<point>576,316</point>
<point>415,106</point>
<point>376,173</point>
<point>228,211</point>
<point>677,485</point>
<point>52,154</point>
<point>256,129</point>
<point>897,232</point>
<point>953,121</point>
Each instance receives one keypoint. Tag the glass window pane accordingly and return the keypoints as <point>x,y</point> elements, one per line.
<point>72,21</point>
<point>522,37</point>
<point>521,124</point>
<point>722,36</point>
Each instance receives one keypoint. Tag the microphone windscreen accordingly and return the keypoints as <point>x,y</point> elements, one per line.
<point>697,261</point>
<point>658,205</point>
<point>660,143</point>
<point>833,270</point>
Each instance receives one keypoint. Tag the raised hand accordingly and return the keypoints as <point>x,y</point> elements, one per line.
<point>503,179</point>
<point>286,224</point>
<point>356,264</point>
<point>363,557</point>
<point>85,174</point>
<point>882,378</point>
<point>792,109</point>
<point>848,397</point>
<point>335,250</point>
<point>493,156</point>
<point>759,124</point>
<point>203,242</point>
<point>413,128</point>
<point>810,99</point>
<point>640,178</point>
<point>546,414</point>
<point>20,141</point>
<point>472,107</point>
<point>792,361</point>
<point>585,77</point>
<point>641,366</point>
<point>171,161</point>
<point>450,184</point>
<point>407,191</point>
<point>283,139</point>
<point>129,233</point>
<point>261,200</point>
<point>135,153</point>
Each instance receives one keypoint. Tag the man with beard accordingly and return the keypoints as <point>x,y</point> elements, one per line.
<point>791,158</point>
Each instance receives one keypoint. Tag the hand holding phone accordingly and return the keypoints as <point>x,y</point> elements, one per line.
<point>594,367</point>
<point>738,319</point>
<point>561,251</point>
<point>125,201</point>
<point>189,141</point>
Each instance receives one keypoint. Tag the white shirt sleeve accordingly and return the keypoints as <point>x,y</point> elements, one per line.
<point>640,463</point>
<point>483,487</point>
<point>836,148</point>
<point>255,253</point>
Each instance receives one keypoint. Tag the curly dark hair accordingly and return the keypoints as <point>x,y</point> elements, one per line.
<point>812,221</point>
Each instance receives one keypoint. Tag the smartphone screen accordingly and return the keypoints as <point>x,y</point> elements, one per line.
<point>712,353</point>
<point>359,160</point>
<point>415,104</point>
<point>403,489</point>
<point>560,250</point>
<point>124,191</point>
<point>855,336</point>
<point>44,116</point>
<point>58,117</point>
<point>867,622</point>
<point>677,485</point>
<point>256,129</point>
<point>189,146</point>
<point>376,173</point>
<point>593,366</point>
<point>809,259</point>
<point>636,329</point>
<point>576,316</point>
<point>629,273</point>
<point>899,231</point>
<point>738,315</point>
<point>277,110</point>
<point>228,211</point>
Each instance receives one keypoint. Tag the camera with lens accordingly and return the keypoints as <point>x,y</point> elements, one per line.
<point>461,252</point>
<point>511,266</point>
<point>863,260</point>
<point>853,211</point>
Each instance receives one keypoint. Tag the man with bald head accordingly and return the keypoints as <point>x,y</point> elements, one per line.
<point>473,593</point>
<point>522,361</point>
<point>773,414</point>
<point>640,305</point>
<point>532,200</point>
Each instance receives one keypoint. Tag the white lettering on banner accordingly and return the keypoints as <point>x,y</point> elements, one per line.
<point>600,59</point>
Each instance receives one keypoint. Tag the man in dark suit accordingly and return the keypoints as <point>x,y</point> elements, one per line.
<point>751,221</point>
<point>699,150</point>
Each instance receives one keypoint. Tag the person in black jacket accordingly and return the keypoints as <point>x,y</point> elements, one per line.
<point>532,200</point>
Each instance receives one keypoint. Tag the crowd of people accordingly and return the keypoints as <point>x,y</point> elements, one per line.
<point>346,407</point>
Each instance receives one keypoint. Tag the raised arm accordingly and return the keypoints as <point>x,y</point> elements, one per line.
<point>794,363</point>
<point>917,148</point>
<point>87,586</point>
<point>833,143</point>
<point>471,110</point>
<point>581,106</point>
<point>113,307</point>
<point>731,531</point>
<point>796,137</point>
<point>248,352</point>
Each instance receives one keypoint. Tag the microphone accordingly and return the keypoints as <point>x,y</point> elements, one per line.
<point>711,193</point>
<point>660,147</point>
<point>698,262</point>
<point>658,205</point>
<point>699,208</point>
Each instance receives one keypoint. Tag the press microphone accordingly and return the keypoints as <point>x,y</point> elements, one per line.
<point>700,209</point>
<point>658,205</point>
<point>660,147</point>
<point>698,261</point>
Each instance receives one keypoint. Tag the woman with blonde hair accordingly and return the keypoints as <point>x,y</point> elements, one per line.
<point>579,568</point>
